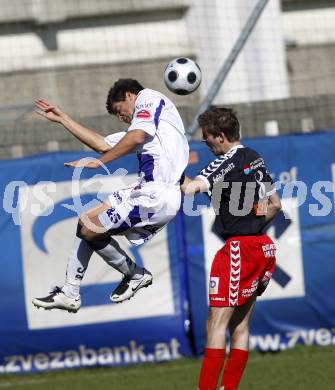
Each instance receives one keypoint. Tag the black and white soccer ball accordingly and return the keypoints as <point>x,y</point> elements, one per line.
<point>182,76</point>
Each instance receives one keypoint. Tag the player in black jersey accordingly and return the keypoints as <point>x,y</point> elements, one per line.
<point>245,200</point>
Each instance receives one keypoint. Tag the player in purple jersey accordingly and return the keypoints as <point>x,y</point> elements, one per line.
<point>156,134</point>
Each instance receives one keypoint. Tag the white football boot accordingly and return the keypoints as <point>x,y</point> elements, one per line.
<point>58,300</point>
<point>128,287</point>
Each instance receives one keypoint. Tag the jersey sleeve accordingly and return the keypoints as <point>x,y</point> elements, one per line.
<point>113,139</point>
<point>147,114</point>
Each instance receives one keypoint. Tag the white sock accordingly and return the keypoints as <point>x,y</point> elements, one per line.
<point>116,257</point>
<point>81,254</point>
<point>76,267</point>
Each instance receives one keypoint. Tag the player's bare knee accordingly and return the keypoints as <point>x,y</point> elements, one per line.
<point>215,331</point>
<point>239,332</point>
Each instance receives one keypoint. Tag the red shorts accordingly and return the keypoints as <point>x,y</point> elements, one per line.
<point>241,268</point>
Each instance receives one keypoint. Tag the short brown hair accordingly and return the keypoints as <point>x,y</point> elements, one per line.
<point>118,92</point>
<point>218,120</point>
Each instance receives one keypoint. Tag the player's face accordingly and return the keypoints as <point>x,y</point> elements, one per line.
<point>214,143</point>
<point>124,110</point>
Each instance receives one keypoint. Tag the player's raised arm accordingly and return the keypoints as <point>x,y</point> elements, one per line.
<point>87,136</point>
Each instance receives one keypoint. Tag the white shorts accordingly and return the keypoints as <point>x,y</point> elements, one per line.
<point>139,213</point>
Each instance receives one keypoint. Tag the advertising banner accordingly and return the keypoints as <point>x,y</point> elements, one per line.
<point>41,204</point>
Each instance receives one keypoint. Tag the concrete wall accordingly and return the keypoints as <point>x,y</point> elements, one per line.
<point>72,51</point>
<point>311,70</point>
<point>51,11</point>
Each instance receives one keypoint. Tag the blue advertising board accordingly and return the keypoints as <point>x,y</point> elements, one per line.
<point>41,201</point>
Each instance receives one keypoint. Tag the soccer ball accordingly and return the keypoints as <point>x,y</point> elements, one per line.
<point>182,76</point>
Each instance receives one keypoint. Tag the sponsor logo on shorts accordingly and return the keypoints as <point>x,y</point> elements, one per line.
<point>222,299</point>
<point>117,196</point>
<point>269,250</point>
<point>214,285</point>
<point>248,292</point>
<point>266,278</point>
<point>143,114</point>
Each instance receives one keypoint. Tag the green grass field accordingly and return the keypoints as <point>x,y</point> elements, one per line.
<point>305,368</point>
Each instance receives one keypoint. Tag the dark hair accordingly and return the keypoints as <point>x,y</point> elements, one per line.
<point>218,120</point>
<point>118,92</point>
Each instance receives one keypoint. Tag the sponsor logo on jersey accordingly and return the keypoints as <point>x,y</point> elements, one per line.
<point>258,163</point>
<point>246,169</point>
<point>144,105</point>
<point>220,176</point>
<point>143,114</point>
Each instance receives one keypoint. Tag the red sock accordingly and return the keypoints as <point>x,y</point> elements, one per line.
<point>234,368</point>
<point>211,368</point>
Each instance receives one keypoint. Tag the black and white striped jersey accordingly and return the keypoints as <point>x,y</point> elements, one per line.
<point>238,184</point>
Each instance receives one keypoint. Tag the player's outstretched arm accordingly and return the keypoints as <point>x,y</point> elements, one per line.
<point>126,145</point>
<point>191,187</point>
<point>87,136</point>
<point>132,140</point>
